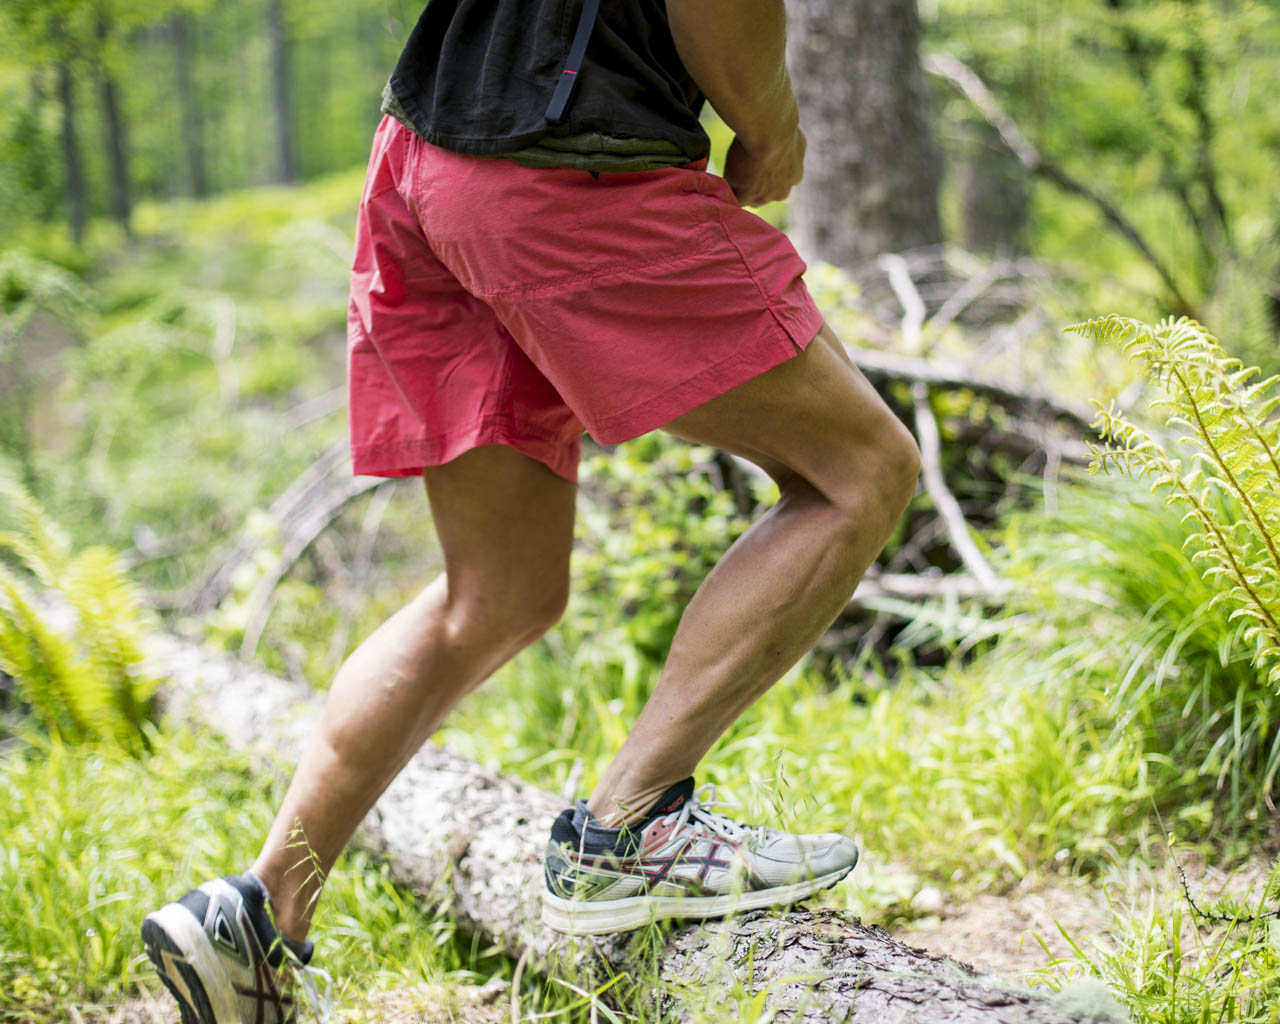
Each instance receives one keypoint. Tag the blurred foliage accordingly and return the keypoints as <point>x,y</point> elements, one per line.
<point>1111,602</point>
<point>83,679</point>
<point>1167,108</point>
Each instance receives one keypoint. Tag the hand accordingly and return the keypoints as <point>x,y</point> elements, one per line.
<point>765,173</point>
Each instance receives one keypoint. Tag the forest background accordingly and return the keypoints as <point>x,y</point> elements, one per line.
<point>1052,698</point>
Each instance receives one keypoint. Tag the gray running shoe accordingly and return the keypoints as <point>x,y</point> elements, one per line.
<point>680,861</point>
<point>220,955</point>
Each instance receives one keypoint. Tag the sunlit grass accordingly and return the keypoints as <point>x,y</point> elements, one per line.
<point>93,840</point>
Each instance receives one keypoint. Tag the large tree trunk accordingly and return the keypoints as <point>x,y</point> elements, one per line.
<point>189,111</point>
<point>872,170</point>
<point>286,149</point>
<point>72,164</point>
<point>474,839</point>
<point>115,142</point>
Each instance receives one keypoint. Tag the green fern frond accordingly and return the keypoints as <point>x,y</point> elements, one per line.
<point>50,675</point>
<point>82,679</point>
<point>39,544</point>
<point>1229,447</point>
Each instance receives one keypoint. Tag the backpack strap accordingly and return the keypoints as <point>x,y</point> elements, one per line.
<point>559,105</point>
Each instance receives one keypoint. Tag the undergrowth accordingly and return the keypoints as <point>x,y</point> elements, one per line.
<point>84,680</point>
<point>93,839</point>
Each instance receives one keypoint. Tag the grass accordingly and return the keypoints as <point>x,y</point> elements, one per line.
<point>93,839</point>
<point>1172,964</point>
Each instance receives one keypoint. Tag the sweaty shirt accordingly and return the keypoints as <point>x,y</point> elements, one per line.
<point>476,77</point>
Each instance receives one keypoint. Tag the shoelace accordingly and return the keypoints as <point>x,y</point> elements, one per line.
<point>697,808</point>
<point>307,977</point>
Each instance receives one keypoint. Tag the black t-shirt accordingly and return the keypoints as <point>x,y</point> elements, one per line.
<point>476,76</point>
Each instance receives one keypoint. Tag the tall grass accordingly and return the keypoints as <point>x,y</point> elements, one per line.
<point>1164,662</point>
<point>92,839</point>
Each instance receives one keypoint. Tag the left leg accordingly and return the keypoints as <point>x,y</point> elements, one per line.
<point>846,468</point>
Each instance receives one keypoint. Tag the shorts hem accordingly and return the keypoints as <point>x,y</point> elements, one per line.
<point>769,351</point>
<point>410,458</point>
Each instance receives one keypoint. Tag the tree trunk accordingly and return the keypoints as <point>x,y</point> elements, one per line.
<point>996,191</point>
<point>115,142</point>
<point>72,163</point>
<point>473,840</point>
<point>189,111</point>
<point>872,169</point>
<point>286,161</point>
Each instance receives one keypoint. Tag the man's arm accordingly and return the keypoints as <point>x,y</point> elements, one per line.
<point>736,52</point>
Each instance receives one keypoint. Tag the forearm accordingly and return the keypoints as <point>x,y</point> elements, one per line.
<point>736,52</point>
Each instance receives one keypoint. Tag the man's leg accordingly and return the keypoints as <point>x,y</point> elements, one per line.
<point>505,524</point>
<point>846,468</point>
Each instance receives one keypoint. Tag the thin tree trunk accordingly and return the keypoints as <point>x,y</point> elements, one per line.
<point>286,165</point>
<point>189,111</point>
<point>997,192</point>
<point>115,142</point>
<point>872,173</point>
<point>72,163</point>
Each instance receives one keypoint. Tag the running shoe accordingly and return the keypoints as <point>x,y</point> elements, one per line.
<point>220,955</point>
<point>681,860</point>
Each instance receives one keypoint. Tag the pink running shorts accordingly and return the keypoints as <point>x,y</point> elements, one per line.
<point>498,304</point>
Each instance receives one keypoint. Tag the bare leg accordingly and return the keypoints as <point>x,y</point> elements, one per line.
<point>505,524</point>
<point>846,468</point>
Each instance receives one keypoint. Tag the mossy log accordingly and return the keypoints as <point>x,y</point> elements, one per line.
<point>472,839</point>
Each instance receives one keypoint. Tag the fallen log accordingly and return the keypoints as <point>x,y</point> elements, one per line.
<point>472,839</point>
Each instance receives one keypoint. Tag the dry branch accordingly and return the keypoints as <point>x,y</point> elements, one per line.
<point>884,367</point>
<point>975,90</point>
<point>451,829</point>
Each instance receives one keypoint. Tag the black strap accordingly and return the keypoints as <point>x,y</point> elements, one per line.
<point>559,105</point>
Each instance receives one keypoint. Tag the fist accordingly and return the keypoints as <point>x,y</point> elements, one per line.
<point>765,173</point>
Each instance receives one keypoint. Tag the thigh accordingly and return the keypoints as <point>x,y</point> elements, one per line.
<point>505,524</point>
<point>814,416</point>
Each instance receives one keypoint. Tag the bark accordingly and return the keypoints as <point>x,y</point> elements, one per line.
<point>115,142</point>
<point>72,163</point>
<point>872,168</point>
<point>281,94</point>
<point>189,110</point>
<point>472,839</point>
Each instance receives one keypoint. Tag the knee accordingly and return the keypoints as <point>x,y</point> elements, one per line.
<point>511,617</point>
<point>900,455</point>
<point>875,470</point>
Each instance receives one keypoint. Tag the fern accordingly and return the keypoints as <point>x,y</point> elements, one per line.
<point>1227,455</point>
<point>80,687</point>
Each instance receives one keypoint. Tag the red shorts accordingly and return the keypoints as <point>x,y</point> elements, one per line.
<point>497,304</point>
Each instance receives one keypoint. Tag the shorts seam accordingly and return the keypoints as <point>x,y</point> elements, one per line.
<point>590,277</point>
<point>751,274</point>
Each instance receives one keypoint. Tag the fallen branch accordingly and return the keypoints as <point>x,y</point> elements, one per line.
<point>884,367</point>
<point>473,839</point>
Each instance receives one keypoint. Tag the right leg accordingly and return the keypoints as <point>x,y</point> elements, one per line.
<point>505,524</point>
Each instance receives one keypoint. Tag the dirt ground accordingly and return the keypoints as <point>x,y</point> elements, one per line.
<point>1015,936</point>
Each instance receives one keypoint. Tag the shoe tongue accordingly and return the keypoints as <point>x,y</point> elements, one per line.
<point>257,901</point>
<point>673,799</point>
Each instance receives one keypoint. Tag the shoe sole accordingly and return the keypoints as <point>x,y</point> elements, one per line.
<point>188,965</point>
<point>586,917</point>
